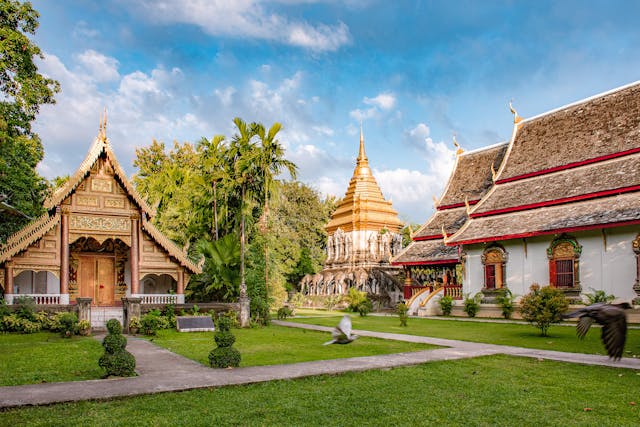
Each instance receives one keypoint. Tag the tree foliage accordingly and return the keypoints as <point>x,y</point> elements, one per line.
<point>203,191</point>
<point>543,306</point>
<point>23,90</point>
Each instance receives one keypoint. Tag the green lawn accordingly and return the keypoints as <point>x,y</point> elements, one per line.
<point>275,345</point>
<point>487,391</point>
<point>47,357</point>
<point>561,338</point>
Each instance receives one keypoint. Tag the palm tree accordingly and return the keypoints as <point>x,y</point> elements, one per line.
<point>242,160</point>
<point>272,163</point>
<point>213,164</point>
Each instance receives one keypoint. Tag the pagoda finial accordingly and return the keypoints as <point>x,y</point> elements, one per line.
<point>516,117</point>
<point>455,144</point>
<point>444,232</point>
<point>361,155</point>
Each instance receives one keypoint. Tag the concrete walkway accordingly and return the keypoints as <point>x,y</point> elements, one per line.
<point>160,370</point>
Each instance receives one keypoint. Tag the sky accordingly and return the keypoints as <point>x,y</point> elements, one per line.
<point>414,73</point>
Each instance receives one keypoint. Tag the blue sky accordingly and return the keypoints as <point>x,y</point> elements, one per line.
<point>414,73</point>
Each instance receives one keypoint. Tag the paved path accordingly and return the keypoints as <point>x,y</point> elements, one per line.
<point>160,370</point>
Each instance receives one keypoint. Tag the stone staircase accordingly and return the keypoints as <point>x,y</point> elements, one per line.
<point>100,315</point>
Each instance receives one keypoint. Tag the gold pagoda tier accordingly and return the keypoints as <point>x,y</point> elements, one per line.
<point>363,206</point>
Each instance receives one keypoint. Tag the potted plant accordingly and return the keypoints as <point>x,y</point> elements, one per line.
<point>84,327</point>
<point>134,325</point>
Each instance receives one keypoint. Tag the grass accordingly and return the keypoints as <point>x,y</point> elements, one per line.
<point>275,345</point>
<point>561,338</point>
<point>46,357</point>
<point>486,391</point>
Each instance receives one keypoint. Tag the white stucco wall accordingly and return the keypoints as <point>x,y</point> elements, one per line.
<point>607,262</point>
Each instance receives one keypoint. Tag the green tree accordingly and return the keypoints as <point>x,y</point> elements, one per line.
<point>543,306</point>
<point>23,90</point>
<point>220,278</point>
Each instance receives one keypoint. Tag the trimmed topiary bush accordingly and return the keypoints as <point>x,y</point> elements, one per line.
<point>224,355</point>
<point>116,361</point>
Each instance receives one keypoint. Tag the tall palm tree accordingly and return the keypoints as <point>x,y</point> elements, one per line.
<point>242,160</point>
<point>272,163</point>
<point>213,164</point>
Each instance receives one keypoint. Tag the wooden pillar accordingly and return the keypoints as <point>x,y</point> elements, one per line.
<point>64,252</point>
<point>180,289</point>
<point>135,256</point>
<point>8,282</point>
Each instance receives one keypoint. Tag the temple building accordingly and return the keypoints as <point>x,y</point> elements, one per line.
<point>564,208</point>
<point>94,241</point>
<point>432,268</point>
<point>363,235</point>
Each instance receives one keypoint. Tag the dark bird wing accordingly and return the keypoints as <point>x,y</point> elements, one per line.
<point>584,323</point>
<point>614,330</point>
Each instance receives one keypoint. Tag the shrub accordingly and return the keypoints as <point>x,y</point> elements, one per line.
<point>150,323</point>
<point>355,297</point>
<point>259,308</point>
<point>134,324</point>
<point>472,304</point>
<point>543,306</point>
<point>403,313</point>
<point>116,361</point>
<point>297,300</point>
<point>67,324</point>
<point>599,296</point>
<point>284,312</point>
<point>4,309</point>
<point>224,355</point>
<point>446,304</point>
<point>231,318</point>
<point>25,307</point>
<point>364,307</point>
<point>331,301</point>
<point>505,300</point>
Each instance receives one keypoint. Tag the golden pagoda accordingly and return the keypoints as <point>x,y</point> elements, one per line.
<point>363,235</point>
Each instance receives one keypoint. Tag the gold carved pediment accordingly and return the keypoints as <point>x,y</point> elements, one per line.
<point>100,223</point>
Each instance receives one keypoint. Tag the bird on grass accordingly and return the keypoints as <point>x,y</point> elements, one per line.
<point>342,333</point>
<point>613,319</point>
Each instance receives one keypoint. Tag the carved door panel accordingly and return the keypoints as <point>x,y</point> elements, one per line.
<point>86,275</point>
<point>105,284</point>
<point>97,279</point>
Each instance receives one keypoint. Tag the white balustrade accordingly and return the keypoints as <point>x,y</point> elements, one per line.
<point>39,299</point>
<point>159,298</point>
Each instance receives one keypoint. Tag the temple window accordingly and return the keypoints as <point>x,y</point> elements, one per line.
<point>494,260</point>
<point>564,254</point>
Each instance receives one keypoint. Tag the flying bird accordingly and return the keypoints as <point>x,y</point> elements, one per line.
<point>342,333</point>
<point>614,324</point>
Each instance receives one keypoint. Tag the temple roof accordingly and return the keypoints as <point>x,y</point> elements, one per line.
<point>363,206</point>
<point>28,234</point>
<point>470,179</point>
<point>574,168</point>
<point>604,212</point>
<point>427,252</point>
<point>599,126</point>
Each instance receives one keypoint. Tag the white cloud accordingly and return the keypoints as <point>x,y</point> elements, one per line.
<point>385,101</point>
<point>323,130</point>
<point>244,19</point>
<point>361,115</point>
<point>225,95</point>
<point>83,31</point>
<point>100,68</point>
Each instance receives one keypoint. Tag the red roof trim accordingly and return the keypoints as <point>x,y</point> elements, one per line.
<point>570,165</point>
<point>444,261</point>
<point>561,201</point>
<point>544,232</point>
<point>457,205</point>
<point>431,237</point>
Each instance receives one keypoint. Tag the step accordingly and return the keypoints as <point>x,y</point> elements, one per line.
<point>100,315</point>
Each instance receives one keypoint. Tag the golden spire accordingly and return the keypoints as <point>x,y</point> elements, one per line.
<point>102,133</point>
<point>455,144</point>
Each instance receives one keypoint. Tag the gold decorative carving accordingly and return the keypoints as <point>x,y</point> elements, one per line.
<point>102,185</point>
<point>114,203</point>
<point>636,244</point>
<point>563,250</point>
<point>88,201</point>
<point>82,186</point>
<point>493,257</point>
<point>50,244</point>
<point>100,223</point>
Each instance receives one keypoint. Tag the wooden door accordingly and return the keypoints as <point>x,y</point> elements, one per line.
<point>97,279</point>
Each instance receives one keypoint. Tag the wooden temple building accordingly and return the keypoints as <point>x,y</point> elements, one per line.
<point>363,235</point>
<point>94,241</point>
<point>561,207</point>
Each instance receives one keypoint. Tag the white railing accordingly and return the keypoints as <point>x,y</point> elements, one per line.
<point>40,299</point>
<point>161,298</point>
